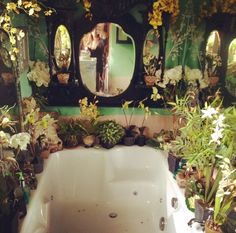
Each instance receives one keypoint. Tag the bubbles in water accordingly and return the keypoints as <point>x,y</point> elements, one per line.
<point>113,215</point>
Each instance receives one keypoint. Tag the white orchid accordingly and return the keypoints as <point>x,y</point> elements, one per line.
<point>39,73</point>
<point>20,140</point>
<point>208,112</point>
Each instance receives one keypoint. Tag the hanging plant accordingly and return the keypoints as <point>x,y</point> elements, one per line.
<point>155,16</point>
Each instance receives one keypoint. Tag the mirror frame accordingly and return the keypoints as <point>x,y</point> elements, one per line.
<point>224,24</point>
<point>78,25</point>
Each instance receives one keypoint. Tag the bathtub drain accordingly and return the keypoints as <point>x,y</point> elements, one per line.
<point>113,215</point>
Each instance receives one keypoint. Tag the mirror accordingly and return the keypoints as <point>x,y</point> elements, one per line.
<point>7,77</point>
<point>230,79</point>
<point>62,48</point>
<point>151,46</point>
<point>213,59</point>
<point>107,60</point>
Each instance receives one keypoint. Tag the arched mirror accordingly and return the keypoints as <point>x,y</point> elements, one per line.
<point>213,59</point>
<point>7,77</point>
<point>151,50</point>
<point>62,48</point>
<point>107,60</point>
<point>230,78</point>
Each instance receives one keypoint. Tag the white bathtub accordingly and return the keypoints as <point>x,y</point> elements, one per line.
<point>121,190</point>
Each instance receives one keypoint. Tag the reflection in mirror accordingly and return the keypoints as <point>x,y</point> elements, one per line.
<point>213,43</point>
<point>230,79</point>
<point>151,45</point>
<point>7,77</point>
<point>62,48</point>
<point>213,59</point>
<point>107,59</point>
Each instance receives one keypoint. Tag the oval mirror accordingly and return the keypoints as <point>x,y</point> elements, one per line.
<point>151,48</point>
<point>213,59</point>
<point>62,47</point>
<point>230,79</point>
<point>107,60</point>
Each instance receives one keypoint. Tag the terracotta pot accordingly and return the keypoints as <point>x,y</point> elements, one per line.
<point>150,80</point>
<point>63,78</point>
<point>89,140</point>
<point>45,154</point>
<point>209,230</point>
<point>213,80</point>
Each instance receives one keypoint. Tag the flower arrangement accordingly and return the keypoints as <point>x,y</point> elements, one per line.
<point>39,73</point>
<point>211,129</point>
<point>162,6</point>
<point>90,114</point>
<point>10,9</point>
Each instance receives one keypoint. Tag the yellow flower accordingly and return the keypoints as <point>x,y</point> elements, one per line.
<point>155,95</point>
<point>126,104</point>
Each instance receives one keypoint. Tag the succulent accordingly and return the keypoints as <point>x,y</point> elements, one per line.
<point>110,132</point>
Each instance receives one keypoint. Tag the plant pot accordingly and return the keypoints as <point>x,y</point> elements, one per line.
<point>9,223</point>
<point>38,164</point>
<point>45,154</point>
<point>107,145</point>
<point>129,141</point>
<point>213,80</point>
<point>63,78</point>
<point>201,211</point>
<point>173,163</point>
<point>150,80</point>
<point>89,140</point>
<point>210,230</point>
<point>71,141</point>
<point>141,140</point>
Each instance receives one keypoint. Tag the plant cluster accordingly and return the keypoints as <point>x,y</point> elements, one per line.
<point>110,133</point>
<point>12,8</point>
<point>39,73</point>
<point>159,7</point>
<point>211,129</point>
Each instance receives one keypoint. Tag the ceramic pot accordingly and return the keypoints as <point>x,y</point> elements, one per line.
<point>107,145</point>
<point>201,211</point>
<point>38,164</point>
<point>173,163</point>
<point>129,141</point>
<point>63,78</point>
<point>141,140</point>
<point>89,140</point>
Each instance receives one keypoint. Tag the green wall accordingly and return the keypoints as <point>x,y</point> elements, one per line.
<point>188,49</point>
<point>121,58</point>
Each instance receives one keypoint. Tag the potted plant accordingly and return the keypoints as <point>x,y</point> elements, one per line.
<point>208,130</point>
<point>141,138</point>
<point>90,114</point>
<point>224,199</point>
<point>110,133</point>
<point>70,131</point>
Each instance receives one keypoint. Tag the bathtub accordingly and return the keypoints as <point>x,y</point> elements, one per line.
<point>121,190</point>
